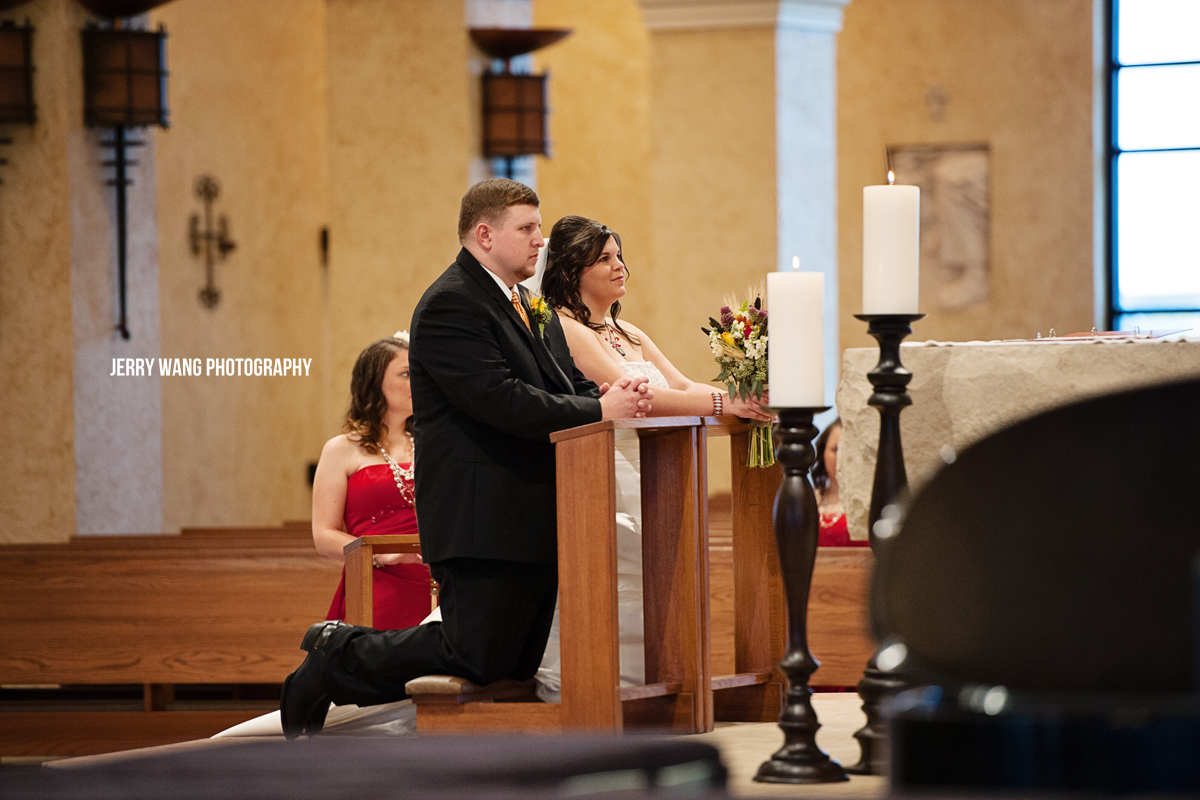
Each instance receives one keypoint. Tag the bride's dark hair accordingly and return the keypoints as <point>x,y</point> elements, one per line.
<point>576,244</point>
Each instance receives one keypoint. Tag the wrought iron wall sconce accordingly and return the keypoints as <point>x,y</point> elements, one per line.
<point>515,111</point>
<point>213,242</point>
<point>16,78</point>
<point>124,86</point>
<point>16,74</point>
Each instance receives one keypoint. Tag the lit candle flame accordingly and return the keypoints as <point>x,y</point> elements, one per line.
<point>795,263</point>
<point>891,177</point>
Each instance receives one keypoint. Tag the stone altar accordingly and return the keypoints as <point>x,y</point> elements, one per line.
<point>964,391</point>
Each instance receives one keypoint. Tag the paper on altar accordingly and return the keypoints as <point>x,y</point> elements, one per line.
<point>389,719</point>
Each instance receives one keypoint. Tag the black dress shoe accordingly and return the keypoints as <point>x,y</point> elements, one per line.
<point>304,703</point>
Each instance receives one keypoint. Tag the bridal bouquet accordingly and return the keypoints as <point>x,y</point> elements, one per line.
<point>738,341</point>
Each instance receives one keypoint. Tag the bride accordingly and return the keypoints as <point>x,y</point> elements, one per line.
<point>584,281</point>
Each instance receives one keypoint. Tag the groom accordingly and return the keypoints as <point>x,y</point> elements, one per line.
<point>489,386</point>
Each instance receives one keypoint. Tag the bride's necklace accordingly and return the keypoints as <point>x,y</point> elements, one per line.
<point>613,338</point>
<point>404,477</point>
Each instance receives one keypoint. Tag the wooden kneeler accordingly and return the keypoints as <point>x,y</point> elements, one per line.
<point>678,693</point>
<point>755,692</point>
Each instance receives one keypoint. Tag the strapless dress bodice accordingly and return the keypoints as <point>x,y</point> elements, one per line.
<point>374,504</point>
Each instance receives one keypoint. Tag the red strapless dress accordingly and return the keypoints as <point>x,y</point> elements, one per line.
<point>374,507</point>
<point>836,533</point>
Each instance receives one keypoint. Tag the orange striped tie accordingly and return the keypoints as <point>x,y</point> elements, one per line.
<point>516,301</point>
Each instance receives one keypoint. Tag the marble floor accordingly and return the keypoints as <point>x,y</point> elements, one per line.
<point>745,745</point>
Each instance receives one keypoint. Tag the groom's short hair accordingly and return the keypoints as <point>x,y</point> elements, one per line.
<point>487,201</point>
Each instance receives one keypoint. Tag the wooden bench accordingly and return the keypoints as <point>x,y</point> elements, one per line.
<point>206,607</point>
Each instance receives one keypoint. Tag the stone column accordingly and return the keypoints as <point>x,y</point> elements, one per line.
<point>743,105</point>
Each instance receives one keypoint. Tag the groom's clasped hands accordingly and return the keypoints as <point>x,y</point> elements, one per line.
<point>628,397</point>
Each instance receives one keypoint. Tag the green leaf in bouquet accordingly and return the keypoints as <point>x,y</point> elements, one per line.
<point>716,325</point>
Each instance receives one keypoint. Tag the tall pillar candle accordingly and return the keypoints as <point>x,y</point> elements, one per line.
<point>891,249</point>
<point>796,368</point>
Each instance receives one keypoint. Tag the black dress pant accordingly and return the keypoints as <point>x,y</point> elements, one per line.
<point>496,618</point>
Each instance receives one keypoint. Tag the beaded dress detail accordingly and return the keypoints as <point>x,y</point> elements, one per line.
<point>645,369</point>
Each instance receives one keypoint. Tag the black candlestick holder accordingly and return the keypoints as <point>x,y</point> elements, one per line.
<point>797,526</point>
<point>890,380</point>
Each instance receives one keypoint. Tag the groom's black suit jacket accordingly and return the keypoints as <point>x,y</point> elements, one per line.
<point>487,394</point>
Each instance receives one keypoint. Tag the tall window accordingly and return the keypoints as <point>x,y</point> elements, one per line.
<point>1155,280</point>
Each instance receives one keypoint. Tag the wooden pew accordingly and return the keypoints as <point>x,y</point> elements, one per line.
<point>206,607</point>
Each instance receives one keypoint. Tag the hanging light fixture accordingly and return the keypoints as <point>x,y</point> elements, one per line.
<point>515,110</point>
<point>124,86</point>
<point>124,77</point>
<point>16,74</point>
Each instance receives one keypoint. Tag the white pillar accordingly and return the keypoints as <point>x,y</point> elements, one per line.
<point>497,14</point>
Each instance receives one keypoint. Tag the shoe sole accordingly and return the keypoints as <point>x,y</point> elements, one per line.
<point>283,721</point>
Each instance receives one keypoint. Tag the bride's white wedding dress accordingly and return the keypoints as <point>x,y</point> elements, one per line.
<point>629,561</point>
<point>399,718</point>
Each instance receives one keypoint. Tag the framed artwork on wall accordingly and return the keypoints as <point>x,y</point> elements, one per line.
<point>955,183</point>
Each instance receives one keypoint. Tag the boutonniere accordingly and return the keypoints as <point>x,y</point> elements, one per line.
<point>541,312</point>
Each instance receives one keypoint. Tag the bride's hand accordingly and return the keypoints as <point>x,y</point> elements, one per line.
<point>748,409</point>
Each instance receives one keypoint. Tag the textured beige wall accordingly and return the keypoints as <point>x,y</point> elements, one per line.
<point>401,139</point>
<point>600,127</point>
<point>712,180</point>
<point>247,96</point>
<point>1019,77</point>
<point>37,473</point>
<point>712,186</point>
<point>362,114</point>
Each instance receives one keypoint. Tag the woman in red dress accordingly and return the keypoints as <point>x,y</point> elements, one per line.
<point>834,531</point>
<point>364,485</point>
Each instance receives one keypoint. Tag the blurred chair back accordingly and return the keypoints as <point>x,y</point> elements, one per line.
<point>1057,555</point>
<point>1042,585</point>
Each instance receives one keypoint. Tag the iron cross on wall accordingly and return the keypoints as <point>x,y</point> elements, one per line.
<point>214,242</point>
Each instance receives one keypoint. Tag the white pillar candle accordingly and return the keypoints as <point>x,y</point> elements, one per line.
<point>796,368</point>
<point>891,249</point>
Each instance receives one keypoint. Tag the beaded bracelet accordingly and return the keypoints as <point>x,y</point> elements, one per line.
<point>718,404</point>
